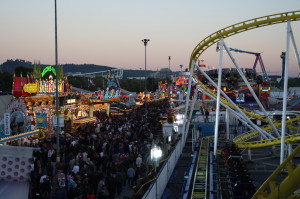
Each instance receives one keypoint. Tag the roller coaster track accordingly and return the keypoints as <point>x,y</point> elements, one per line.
<point>200,180</point>
<point>284,189</point>
<point>241,140</point>
<point>270,189</point>
<point>225,101</point>
<point>246,136</point>
<point>242,27</point>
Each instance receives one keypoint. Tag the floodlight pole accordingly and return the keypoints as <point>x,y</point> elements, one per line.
<point>169,95</point>
<point>145,41</point>
<point>56,92</point>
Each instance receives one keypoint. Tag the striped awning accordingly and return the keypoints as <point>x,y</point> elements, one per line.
<point>19,136</point>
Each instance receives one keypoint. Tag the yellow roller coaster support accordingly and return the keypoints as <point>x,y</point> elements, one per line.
<point>242,27</point>
<point>285,188</point>
<point>269,142</point>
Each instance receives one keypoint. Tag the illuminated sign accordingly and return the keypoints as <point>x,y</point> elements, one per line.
<point>41,120</point>
<point>16,105</point>
<point>6,124</point>
<point>181,80</point>
<point>48,69</point>
<point>30,88</point>
<point>240,97</point>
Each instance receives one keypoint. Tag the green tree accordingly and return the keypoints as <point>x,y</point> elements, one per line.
<point>35,70</point>
<point>60,72</point>
<point>6,82</point>
<point>38,70</point>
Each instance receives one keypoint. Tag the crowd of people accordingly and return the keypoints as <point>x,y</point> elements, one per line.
<point>100,159</point>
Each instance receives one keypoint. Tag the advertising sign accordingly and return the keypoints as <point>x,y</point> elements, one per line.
<point>41,120</point>
<point>240,97</point>
<point>60,121</point>
<point>6,124</point>
<point>48,69</point>
<point>30,88</point>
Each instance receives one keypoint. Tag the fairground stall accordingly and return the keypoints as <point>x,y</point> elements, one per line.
<point>32,108</point>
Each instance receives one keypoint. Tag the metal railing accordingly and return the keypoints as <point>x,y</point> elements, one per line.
<point>159,184</point>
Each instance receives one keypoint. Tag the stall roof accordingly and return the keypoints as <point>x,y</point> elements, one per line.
<point>19,136</point>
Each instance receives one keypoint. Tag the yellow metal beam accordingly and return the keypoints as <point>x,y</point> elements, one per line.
<point>269,142</point>
<point>242,27</point>
<point>286,187</point>
<point>240,140</point>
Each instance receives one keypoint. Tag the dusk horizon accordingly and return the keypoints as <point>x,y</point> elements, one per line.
<point>102,33</point>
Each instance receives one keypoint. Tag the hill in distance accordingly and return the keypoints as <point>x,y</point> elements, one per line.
<point>10,66</point>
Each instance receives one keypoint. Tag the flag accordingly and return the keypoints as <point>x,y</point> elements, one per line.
<point>92,83</point>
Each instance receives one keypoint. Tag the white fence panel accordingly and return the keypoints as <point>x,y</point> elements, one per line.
<point>163,181</point>
<point>156,189</point>
<point>151,192</point>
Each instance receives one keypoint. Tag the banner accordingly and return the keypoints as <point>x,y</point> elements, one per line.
<point>6,124</point>
<point>41,120</point>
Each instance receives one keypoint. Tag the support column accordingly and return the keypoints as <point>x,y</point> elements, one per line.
<point>295,48</point>
<point>251,90</point>
<point>187,99</point>
<point>249,155</point>
<point>193,139</point>
<point>245,120</point>
<point>282,146</point>
<point>290,148</point>
<point>218,98</point>
<point>237,115</point>
<point>261,131</point>
<point>91,113</point>
<point>191,111</point>
<point>227,118</point>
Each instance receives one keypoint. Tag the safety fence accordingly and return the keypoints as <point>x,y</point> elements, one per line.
<point>159,184</point>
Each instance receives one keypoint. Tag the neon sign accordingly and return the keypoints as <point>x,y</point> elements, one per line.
<point>47,69</point>
<point>30,88</point>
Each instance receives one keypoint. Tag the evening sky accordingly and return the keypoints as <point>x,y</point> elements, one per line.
<point>110,32</point>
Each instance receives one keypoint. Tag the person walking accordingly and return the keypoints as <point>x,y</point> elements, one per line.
<point>100,189</point>
<point>138,163</point>
<point>206,115</point>
<point>130,175</point>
